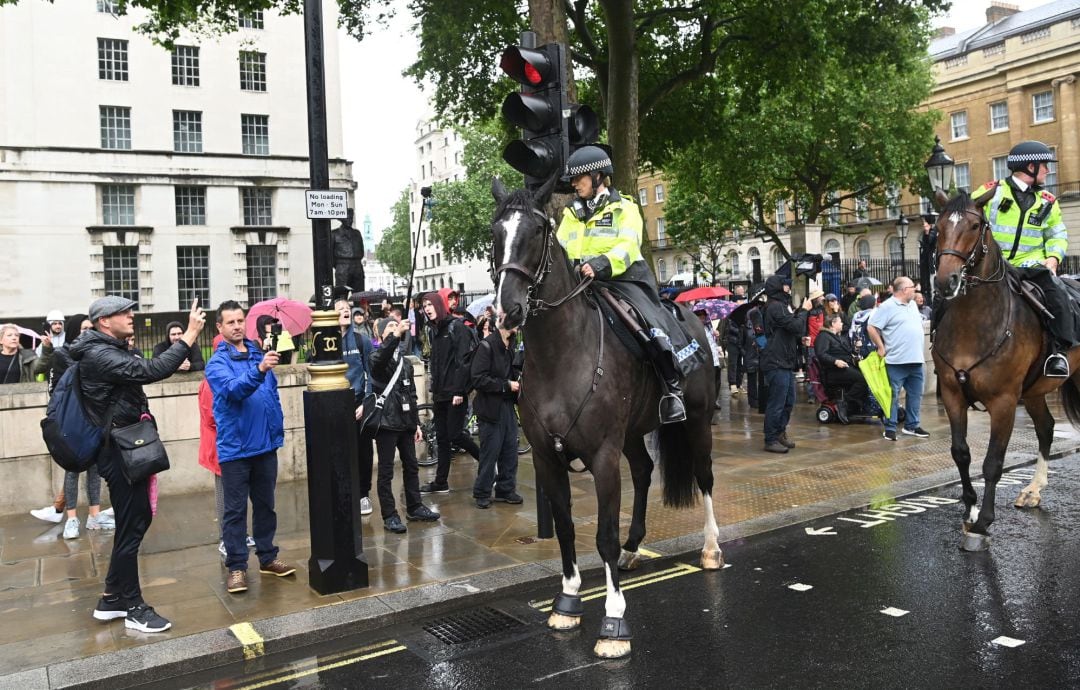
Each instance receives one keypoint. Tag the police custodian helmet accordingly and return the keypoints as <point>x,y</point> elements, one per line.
<point>1029,152</point>
<point>588,159</point>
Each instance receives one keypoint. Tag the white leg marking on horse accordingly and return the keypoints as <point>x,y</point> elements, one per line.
<point>974,514</point>
<point>510,227</point>
<point>1030,497</point>
<point>573,584</point>
<point>615,604</point>
<point>711,530</point>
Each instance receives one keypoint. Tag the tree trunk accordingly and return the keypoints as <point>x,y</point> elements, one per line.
<point>548,19</point>
<point>622,93</point>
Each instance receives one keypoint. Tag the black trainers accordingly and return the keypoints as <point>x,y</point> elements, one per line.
<point>917,431</point>
<point>433,488</point>
<point>888,435</point>
<point>483,503</point>
<point>110,607</point>
<point>393,524</point>
<point>145,619</point>
<point>511,498</point>
<point>423,514</point>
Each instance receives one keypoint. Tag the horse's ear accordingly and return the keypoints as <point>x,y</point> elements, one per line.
<point>941,197</point>
<point>498,190</point>
<point>544,193</point>
<point>983,200</point>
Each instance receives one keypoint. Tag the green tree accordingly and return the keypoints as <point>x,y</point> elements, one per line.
<point>395,248</point>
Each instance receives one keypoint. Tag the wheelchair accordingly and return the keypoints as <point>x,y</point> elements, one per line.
<point>828,396</point>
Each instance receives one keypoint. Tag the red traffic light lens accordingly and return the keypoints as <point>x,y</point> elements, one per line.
<point>525,65</point>
<point>531,75</point>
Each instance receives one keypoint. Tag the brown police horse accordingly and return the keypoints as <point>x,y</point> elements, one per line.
<point>990,348</point>
<point>585,395</point>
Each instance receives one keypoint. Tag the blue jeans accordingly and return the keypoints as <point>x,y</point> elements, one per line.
<point>781,385</point>
<point>910,378</point>
<point>254,478</point>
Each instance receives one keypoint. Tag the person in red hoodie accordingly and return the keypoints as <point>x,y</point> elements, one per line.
<point>448,376</point>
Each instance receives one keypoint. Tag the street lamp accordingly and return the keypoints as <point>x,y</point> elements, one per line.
<point>940,167</point>
<point>901,232</point>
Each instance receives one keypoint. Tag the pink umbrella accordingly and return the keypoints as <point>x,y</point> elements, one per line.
<point>27,333</point>
<point>295,317</point>
<point>702,293</point>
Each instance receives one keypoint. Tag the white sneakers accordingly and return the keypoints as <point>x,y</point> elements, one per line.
<point>365,506</point>
<point>48,514</point>
<point>71,528</point>
<point>101,521</point>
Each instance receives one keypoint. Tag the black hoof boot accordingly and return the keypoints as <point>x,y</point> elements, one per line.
<point>568,605</point>
<point>614,642</point>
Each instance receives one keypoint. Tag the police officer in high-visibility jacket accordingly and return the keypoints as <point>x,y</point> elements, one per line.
<point>601,232</point>
<point>1027,225</point>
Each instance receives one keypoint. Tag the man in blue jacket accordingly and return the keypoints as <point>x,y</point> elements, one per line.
<point>250,429</point>
<point>356,350</point>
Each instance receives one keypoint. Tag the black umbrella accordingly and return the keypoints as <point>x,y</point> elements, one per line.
<point>738,314</point>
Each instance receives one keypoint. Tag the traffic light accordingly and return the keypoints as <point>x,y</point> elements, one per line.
<point>551,127</point>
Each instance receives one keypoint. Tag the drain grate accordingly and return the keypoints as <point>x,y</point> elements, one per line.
<point>471,625</point>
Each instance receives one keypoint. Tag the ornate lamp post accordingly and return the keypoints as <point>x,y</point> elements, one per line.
<point>901,232</point>
<point>941,168</point>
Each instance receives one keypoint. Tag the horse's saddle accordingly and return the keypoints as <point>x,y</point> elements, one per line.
<point>647,312</point>
<point>1035,296</point>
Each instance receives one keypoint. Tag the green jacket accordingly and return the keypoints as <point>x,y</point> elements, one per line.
<point>1026,239</point>
<point>610,240</point>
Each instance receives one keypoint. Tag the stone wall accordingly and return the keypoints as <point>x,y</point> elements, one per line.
<point>30,479</point>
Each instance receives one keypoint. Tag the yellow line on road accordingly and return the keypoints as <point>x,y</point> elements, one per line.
<point>678,570</point>
<point>649,554</point>
<point>251,640</point>
<point>326,667</point>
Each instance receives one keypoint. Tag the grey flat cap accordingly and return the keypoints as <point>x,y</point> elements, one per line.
<point>109,305</point>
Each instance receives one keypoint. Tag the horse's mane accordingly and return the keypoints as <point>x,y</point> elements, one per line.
<point>522,198</point>
<point>958,204</point>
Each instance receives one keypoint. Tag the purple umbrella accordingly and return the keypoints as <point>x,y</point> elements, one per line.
<point>716,309</point>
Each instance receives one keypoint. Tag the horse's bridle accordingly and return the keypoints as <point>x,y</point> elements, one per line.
<point>536,278</point>
<point>972,258</point>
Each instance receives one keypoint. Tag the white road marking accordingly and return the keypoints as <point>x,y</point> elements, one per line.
<point>820,531</point>
<point>800,587</point>
<point>894,612</point>
<point>1007,641</point>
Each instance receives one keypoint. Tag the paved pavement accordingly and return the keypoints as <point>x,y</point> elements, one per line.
<point>48,585</point>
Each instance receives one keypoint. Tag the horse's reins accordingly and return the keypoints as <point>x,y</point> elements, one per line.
<point>536,305</point>
<point>972,259</point>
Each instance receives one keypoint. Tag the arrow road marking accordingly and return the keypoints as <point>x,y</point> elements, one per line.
<point>818,531</point>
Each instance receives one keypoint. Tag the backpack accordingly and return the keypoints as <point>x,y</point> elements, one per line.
<point>73,440</point>
<point>474,342</point>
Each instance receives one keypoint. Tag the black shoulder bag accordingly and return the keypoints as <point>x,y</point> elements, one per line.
<point>373,403</point>
<point>141,451</point>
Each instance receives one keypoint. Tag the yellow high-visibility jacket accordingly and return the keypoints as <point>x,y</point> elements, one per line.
<point>610,240</point>
<point>1026,239</point>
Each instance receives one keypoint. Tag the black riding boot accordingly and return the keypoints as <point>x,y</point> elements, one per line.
<point>1056,366</point>
<point>672,408</point>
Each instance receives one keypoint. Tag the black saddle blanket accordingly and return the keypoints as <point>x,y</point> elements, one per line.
<point>655,315</point>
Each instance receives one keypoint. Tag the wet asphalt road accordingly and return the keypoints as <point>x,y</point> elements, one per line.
<point>880,597</point>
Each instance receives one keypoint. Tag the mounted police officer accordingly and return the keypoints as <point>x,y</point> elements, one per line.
<point>601,232</point>
<point>1027,224</point>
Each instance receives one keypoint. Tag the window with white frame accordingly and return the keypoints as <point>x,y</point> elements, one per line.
<point>893,201</point>
<point>261,272</point>
<point>252,71</point>
<point>250,20</point>
<point>1050,184</point>
<point>834,209</point>
<point>1000,166</point>
<point>661,270</point>
<point>958,123</point>
<point>192,275</point>
<point>963,177</point>
<point>683,264</point>
<point>895,256</point>
<point>643,196</point>
<point>107,6</point>
<point>185,66</point>
<point>862,250</point>
<point>187,131</point>
<point>862,208</point>
<point>115,127</point>
<point>999,116</point>
<point>122,272</point>
<point>112,59</point>
<point>257,205</point>
<point>658,193</point>
<point>255,134</point>
<point>661,232</point>
<point>777,259</point>
<point>117,204</point>
<point>832,247</point>
<point>925,206</point>
<point>781,215</point>
<point>190,205</point>
<point>733,259</point>
<point>1042,106</point>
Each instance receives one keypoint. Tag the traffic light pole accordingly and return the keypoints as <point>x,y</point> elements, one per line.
<point>425,193</point>
<point>337,561</point>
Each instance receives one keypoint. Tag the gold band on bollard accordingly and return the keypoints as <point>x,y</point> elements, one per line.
<point>327,377</point>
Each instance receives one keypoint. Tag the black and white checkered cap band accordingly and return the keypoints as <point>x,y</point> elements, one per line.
<point>1031,158</point>
<point>588,167</point>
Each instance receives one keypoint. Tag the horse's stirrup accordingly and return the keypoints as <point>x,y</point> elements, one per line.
<point>1056,366</point>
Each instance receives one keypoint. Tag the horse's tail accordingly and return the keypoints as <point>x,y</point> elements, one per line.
<point>1070,400</point>
<point>677,465</point>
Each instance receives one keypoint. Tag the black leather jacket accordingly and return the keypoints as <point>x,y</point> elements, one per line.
<point>399,411</point>
<point>112,373</point>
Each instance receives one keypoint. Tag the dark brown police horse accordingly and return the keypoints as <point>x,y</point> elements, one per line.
<point>584,395</point>
<point>990,348</point>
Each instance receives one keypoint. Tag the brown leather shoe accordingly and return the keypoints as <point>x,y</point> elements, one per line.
<point>277,567</point>
<point>237,581</point>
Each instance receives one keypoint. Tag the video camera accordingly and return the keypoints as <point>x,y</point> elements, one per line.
<point>272,339</point>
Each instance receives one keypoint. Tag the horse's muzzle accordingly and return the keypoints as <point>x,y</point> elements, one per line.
<point>513,318</point>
